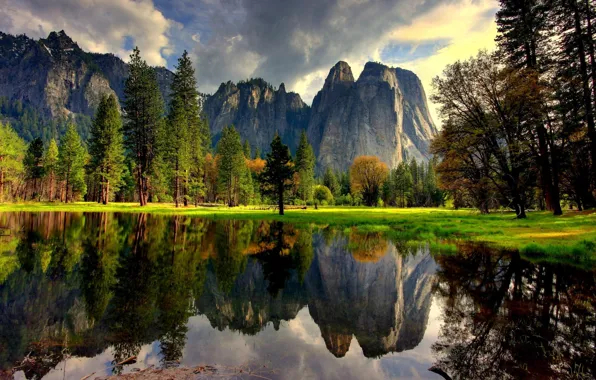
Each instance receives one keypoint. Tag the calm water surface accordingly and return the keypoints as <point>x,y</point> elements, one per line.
<point>81,293</point>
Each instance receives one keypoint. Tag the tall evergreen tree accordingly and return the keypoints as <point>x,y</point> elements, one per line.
<point>330,180</point>
<point>232,171</point>
<point>34,169</point>
<point>50,164</point>
<point>246,149</point>
<point>188,134</point>
<point>106,147</point>
<point>143,108</point>
<point>12,150</point>
<point>278,172</point>
<point>305,166</point>
<point>403,184</point>
<point>71,164</point>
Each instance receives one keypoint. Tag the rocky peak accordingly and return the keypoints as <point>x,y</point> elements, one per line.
<point>375,72</point>
<point>60,41</point>
<point>340,74</point>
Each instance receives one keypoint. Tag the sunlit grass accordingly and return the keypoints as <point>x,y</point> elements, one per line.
<point>540,232</point>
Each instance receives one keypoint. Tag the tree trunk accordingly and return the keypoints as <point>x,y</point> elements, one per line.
<point>176,185</point>
<point>67,184</point>
<point>556,198</point>
<point>280,191</point>
<point>140,185</point>
<point>585,86</point>
<point>106,193</point>
<point>1,184</point>
<point>51,186</point>
<point>590,42</point>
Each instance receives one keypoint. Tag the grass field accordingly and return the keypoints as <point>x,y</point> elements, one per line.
<point>573,234</point>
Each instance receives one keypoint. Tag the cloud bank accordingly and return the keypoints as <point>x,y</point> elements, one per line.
<point>290,41</point>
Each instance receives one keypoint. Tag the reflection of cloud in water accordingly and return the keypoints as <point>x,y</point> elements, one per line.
<point>100,365</point>
<point>299,352</point>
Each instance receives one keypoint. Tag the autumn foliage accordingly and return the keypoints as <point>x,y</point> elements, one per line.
<point>367,175</point>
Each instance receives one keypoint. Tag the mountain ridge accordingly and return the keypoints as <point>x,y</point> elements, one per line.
<point>383,112</point>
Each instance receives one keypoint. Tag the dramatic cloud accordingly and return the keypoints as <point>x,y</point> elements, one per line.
<point>290,41</point>
<point>96,25</point>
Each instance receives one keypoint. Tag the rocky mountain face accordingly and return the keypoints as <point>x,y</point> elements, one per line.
<point>389,299</point>
<point>56,77</point>
<point>383,113</point>
<point>257,111</point>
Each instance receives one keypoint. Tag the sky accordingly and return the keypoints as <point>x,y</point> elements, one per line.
<point>291,41</point>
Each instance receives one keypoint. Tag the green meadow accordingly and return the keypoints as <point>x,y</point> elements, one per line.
<point>571,236</point>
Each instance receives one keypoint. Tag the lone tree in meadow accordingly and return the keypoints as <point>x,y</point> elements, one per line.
<point>367,175</point>
<point>278,173</point>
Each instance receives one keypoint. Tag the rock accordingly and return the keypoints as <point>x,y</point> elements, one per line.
<point>384,113</point>
<point>257,111</point>
<point>56,77</point>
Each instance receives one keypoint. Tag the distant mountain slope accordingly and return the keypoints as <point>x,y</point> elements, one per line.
<point>257,111</point>
<point>55,78</point>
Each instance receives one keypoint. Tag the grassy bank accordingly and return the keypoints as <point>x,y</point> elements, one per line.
<point>541,234</point>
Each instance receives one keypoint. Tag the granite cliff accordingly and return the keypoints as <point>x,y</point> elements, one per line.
<point>383,113</point>
<point>57,78</point>
<point>258,111</point>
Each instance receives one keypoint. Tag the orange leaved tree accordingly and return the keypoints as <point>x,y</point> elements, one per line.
<point>367,175</point>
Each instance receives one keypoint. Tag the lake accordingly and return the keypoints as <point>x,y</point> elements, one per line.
<point>80,294</point>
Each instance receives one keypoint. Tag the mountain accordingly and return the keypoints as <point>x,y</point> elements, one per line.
<point>257,111</point>
<point>383,113</point>
<point>55,78</point>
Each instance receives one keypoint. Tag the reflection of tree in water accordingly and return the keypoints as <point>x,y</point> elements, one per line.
<point>232,237</point>
<point>98,264</point>
<point>507,318</point>
<point>175,274</point>
<point>367,246</point>
<point>132,310</point>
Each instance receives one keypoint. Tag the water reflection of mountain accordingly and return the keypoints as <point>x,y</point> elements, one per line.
<point>80,284</point>
<point>250,306</point>
<point>384,304</point>
<point>96,281</point>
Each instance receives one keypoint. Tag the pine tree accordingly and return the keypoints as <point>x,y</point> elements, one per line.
<point>71,164</point>
<point>232,170</point>
<point>177,149</point>
<point>188,134</point>
<point>330,180</point>
<point>246,149</point>
<point>305,166</point>
<point>12,150</point>
<point>403,184</point>
<point>143,107</point>
<point>33,163</point>
<point>523,40</point>
<point>50,164</point>
<point>106,147</point>
<point>257,153</point>
<point>276,177</point>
